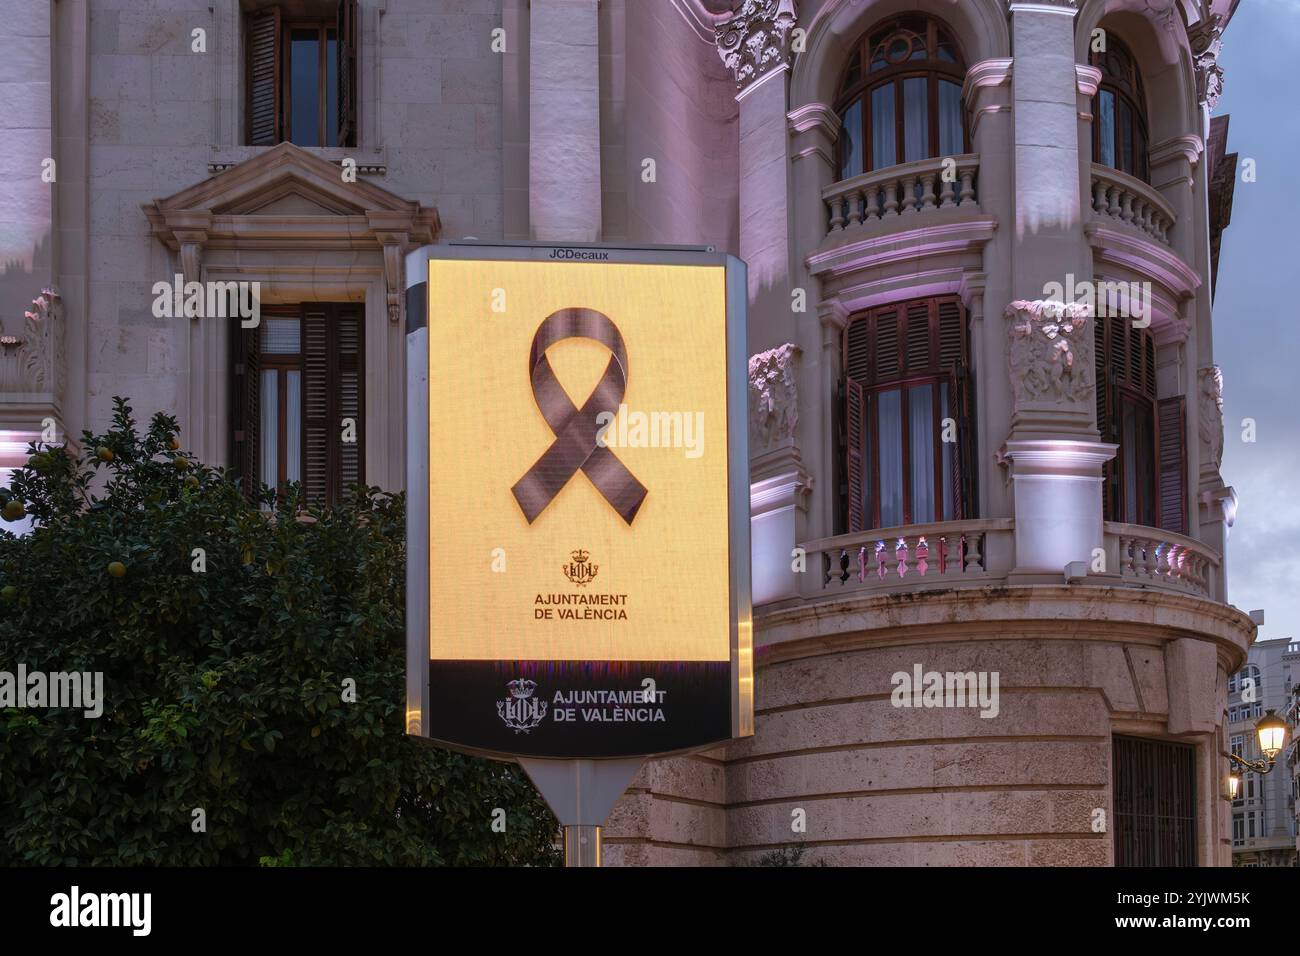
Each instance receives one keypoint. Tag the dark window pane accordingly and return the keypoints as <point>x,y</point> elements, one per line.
<point>916,119</point>
<point>884,151</point>
<point>851,141</point>
<point>949,511</point>
<point>889,408</point>
<point>331,90</point>
<point>304,73</point>
<point>951,142</point>
<point>1106,127</point>
<point>1125,127</point>
<point>920,412</point>
<point>1129,444</point>
<point>854,72</point>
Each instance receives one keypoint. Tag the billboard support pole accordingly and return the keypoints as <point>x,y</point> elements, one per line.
<point>581,793</point>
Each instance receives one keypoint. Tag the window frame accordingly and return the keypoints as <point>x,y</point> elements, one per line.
<point>931,68</point>
<point>323,28</point>
<point>283,363</point>
<point>1128,90</point>
<point>957,487</point>
<point>246,436</point>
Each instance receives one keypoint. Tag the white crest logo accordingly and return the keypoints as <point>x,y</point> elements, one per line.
<point>521,711</point>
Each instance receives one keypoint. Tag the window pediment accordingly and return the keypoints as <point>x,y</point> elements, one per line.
<point>286,197</point>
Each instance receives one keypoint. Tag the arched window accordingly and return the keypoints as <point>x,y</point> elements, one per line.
<point>905,386</point>
<point>1119,115</point>
<point>900,98</point>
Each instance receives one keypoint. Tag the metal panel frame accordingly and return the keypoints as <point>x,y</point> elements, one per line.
<point>417,452</point>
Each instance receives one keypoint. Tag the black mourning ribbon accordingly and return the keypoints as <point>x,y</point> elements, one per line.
<point>576,429</point>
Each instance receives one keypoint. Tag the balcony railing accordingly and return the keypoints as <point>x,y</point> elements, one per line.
<point>913,188</point>
<point>944,554</point>
<point>1149,556</point>
<point>1124,198</point>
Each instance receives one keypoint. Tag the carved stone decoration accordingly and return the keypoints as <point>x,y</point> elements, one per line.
<point>1210,416</point>
<point>1051,352</point>
<point>756,39</point>
<point>773,399</point>
<point>41,364</point>
<point>1205,37</point>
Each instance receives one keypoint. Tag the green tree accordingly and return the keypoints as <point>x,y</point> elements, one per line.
<point>226,672</point>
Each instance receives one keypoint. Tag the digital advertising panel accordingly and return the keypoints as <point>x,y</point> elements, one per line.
<point>578,551</point>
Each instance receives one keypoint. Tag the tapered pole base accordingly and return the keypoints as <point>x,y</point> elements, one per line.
<point>581,846</point>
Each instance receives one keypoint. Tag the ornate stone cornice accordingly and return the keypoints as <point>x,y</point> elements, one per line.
<point>1086,79</point>
<point>756,40</point>
<point>773,398</point>
<point>1205,37</point>
<point>1051,360</point>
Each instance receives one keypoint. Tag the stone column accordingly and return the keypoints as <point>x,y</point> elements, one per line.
<point>755,46</point>
<point>813,129</point>
<point>564,121</point>
<point>779,485</point>
<point>1052,451</point>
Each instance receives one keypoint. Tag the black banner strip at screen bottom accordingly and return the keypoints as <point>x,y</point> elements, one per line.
<point>579,709</point>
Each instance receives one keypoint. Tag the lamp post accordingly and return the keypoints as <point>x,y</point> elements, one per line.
<point>1271,731</point>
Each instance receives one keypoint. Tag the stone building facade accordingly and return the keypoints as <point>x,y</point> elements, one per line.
<point>962,460</point>
<point>1264,813</point>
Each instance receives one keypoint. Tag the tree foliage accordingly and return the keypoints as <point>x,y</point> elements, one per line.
<point>225,676</point>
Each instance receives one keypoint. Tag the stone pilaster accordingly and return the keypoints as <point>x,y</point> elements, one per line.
<point>779,483</point>
<point>564,121</point>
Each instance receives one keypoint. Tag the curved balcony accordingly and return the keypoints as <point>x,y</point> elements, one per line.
<point>917,188</point>
<point>941,555</point>
<point>982,552</point>
<point>1149,556</point>
<point>1123,198</point>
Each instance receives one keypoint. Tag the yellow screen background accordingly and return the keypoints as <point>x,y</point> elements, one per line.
<point>485,432</point>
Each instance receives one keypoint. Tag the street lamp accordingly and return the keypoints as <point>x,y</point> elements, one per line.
<point>1271,731</point>
<point>1234,784</point>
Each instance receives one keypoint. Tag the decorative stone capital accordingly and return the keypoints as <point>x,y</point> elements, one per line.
<point>773,399</point>
<point>33,361</point>
<point>1051,354</point>
<point>756,40</point>
<point>1210,418</point>
<point>1205,37</point>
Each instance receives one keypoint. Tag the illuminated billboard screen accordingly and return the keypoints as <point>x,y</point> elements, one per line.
<point>577,428</point>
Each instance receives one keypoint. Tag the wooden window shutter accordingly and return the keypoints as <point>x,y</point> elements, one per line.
<point>1171,425</point>
<point>248,385</point>
<point>316,381</point>
<point>919,336</point>
<point>346,51</point>
<point>333,373</point>
<point>265,115</point>
<point>349,329</point>
<point>855,428</point>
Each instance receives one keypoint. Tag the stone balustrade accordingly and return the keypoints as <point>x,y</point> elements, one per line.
<point>918,187</point>
<point>1124,198</point>
<point>1149,556</point>
<point>906,558</point>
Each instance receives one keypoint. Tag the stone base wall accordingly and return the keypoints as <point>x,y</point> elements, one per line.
<point>837,768</point>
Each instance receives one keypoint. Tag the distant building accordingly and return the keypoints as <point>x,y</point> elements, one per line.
<point>1264,813</point>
